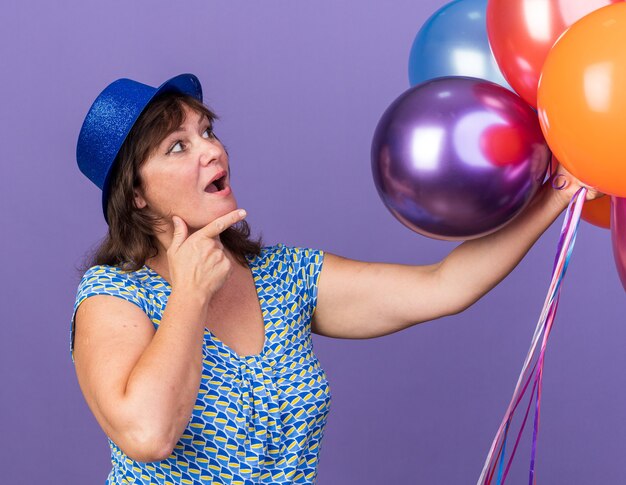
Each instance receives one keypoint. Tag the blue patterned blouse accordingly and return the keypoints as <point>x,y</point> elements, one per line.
<point>257,419</point>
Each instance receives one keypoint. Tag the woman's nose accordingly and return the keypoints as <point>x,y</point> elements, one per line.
<point>209,153</point>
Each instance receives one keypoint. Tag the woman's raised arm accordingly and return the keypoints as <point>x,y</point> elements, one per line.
<point>363,300</point>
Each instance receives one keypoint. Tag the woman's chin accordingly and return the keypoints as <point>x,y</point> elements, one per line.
<point>201,221</point>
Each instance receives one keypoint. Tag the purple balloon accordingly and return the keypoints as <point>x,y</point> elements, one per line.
<point>457,158</point>
<point>618,235</point>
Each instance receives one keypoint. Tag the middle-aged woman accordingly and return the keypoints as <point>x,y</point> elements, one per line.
<point>192,341</point>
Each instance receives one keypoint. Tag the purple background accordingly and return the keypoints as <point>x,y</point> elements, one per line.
<point>300,87</point>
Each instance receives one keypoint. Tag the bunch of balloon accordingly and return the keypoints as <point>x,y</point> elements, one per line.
<point>458,155</point>
<point>581,104</point>
<point>565,57</point>
<point>521,34</point>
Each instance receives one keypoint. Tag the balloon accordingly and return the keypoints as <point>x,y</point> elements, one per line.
<point>521,33</point>
<point>457,158</point>
<point>598,212</point>
<point>618,235</point>
<point>453,42</point>
<point>582,100</point>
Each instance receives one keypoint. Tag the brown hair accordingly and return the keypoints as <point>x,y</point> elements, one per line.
<point>131,240</point>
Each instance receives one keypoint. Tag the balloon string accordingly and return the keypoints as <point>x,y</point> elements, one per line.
<point>572,230</point>
<point>564,251</point>
<point>501,452</point>
<point>535,339</point>
<point>516,393</point>
<point>521,430</point>
<point>508,413</point>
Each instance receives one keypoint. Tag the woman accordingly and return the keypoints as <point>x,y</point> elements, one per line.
<point>192,342</point>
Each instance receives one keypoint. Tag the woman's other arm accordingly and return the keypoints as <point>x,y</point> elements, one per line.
<point>142,384</point>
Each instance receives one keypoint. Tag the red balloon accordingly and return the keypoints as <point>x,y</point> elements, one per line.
<point>522,32</point>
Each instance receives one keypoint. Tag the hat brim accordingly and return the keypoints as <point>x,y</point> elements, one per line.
<point>183,83</point>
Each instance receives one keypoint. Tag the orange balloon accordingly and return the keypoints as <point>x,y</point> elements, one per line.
<point>598,212</point>
<point>582,99</point>
<point>522,32</point>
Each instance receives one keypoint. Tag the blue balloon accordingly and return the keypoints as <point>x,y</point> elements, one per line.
<point>454,42</point>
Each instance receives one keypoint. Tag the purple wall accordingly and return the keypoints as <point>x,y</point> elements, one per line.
<point>299,87</point>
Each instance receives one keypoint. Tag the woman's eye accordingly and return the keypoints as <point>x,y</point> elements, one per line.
<point>208,133</point>
<point>176,147</point>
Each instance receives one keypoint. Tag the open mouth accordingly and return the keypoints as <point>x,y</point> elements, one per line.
<point>217,185</point>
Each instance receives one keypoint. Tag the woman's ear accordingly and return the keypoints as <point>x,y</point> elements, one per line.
<point>140,202</point>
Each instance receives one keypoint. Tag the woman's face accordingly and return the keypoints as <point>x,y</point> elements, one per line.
<point>188,175</point>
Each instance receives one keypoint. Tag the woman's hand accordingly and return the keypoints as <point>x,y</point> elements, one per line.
<point>566,185</point>
<point>198,263</point>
